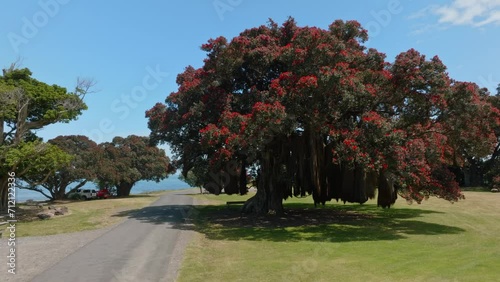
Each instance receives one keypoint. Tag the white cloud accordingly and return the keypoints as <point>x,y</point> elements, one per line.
<point>469,12</point>
<point>493,18</point>
<point>424,28</point>
<point>423,12</point>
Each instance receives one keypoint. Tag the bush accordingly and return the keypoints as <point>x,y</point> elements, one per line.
<point>74,196</point>
<point>496,182</point>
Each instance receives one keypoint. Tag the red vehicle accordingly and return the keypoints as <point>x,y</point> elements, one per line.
<point>103,193</point>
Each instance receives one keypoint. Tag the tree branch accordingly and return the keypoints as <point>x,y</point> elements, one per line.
<point>84,86</point>
<point>35,189</point>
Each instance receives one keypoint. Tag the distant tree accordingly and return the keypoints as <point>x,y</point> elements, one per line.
<point>82,168</point>
<point>36,160</point>
<point>316,112</point>
<point>27,105</point>
<point>128,160</point>
<point>192,180</point>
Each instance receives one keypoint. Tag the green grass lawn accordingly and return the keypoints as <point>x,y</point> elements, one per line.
<point>434,241</point>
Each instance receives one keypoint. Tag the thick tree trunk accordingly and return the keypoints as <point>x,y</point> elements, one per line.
<point>317,166</point>
<point>360,185</point>
<point>387,193</point>
<point>476,175</point>
<point>304,164</point>
<point>371,184</point>
<point>231,180</point>
<point>269,197</point>
<point>243,179</point>
<point>264,202</point>
<point>60,193</point>
<point>4,191</point>
<point>347,185</point>
<point>275,201</point>
<point>257,204</point>
<point>123,189</point>
<point>466,177</point>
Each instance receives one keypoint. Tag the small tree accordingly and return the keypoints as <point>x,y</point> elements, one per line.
<point>82,168</point>
<point>27,105</point>
<point>192,180</point>
<point>36,162</point>
<point>128,160</point>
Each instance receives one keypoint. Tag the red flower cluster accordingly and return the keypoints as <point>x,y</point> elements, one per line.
<point>309,81</point>
<point>272,87</point>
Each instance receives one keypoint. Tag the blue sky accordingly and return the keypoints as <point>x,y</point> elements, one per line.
<point>135,49</point>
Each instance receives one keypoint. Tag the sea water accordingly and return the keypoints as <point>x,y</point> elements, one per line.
<point>171,183</point>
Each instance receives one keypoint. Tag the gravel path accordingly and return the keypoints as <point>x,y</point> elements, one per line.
<point>36,255</point>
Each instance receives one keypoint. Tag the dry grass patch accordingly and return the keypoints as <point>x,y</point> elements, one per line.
<point>83,215</point>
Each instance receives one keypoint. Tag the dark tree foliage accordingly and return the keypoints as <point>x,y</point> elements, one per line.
<point>313,111</point>
<point>491,167</point>
<point>27,105</point>
<point>84,153</point>
<point>190,179</point>
<point>128,160</point>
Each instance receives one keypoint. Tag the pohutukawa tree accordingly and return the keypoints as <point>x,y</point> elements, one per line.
<point>84,155</point>
<point>313,111</point>
<point>125,161</point>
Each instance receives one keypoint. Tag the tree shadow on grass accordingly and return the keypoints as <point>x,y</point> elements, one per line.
<point>302,222</point>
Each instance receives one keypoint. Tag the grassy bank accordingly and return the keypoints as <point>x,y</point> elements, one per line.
<point>84,215</point>
<point>435,241</point>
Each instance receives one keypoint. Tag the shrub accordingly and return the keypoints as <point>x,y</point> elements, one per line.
<point>496,181</point>
<point>74,196</point>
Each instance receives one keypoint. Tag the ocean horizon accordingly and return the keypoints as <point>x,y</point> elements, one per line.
<point>170,183</point>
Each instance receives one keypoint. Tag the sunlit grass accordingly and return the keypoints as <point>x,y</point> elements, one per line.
<point>434,241</point>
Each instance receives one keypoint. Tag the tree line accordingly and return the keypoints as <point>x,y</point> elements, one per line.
<point>116,165</point>
<point>27,105</point>
<point>297,110</point>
